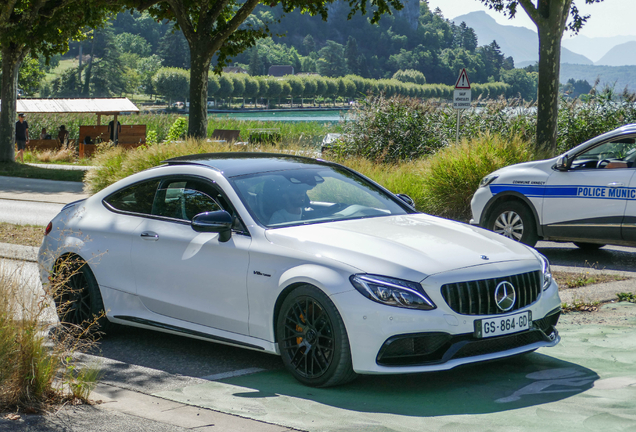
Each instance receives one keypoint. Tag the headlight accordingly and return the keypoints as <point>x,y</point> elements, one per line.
<point>392,292</point>
<point>546,271</point>
<point>487,180</point>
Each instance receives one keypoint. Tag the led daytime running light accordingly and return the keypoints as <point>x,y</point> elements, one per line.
<point>392,292</point>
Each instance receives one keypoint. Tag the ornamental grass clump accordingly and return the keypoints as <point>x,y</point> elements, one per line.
<point>38,362</point>
<point>452,176</point>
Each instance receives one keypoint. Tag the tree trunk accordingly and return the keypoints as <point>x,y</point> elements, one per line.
<point>198,113</point>
<point>11,60</point>
<point>548,87</point>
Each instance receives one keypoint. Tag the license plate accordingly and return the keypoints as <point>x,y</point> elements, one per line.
<point>503,325</point>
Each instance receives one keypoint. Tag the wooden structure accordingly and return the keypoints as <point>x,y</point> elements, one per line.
<point>44,144</point>
<point>131,135</point>
<point>228,135</point>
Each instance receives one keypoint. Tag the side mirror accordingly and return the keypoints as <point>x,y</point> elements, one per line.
<point>407,199</point>
<point>562,163</point>
<point>218,221</point>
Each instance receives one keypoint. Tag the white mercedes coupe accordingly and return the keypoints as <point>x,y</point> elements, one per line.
<point>302,258</point>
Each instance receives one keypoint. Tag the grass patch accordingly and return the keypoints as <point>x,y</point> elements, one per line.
<point>577,280</point>
<point>626,297</point>
<point>12,169</point>
<point>580,306</point>
<point>26,235</point>
<point>38,367</point>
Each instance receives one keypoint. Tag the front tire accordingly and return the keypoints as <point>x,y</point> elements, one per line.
<point>515,221</point>
<point>313,340</point>
<point>78,299</point>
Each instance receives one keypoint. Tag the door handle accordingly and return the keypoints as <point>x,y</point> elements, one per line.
<point>616,184</point>
<point>149,235</point>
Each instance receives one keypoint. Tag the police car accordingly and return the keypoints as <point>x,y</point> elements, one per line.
<point>586,196</point>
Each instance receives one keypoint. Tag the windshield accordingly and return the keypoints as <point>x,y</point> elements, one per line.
<point>311,195</point>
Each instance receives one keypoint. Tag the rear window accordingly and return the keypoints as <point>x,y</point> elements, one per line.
<point>137,198</point>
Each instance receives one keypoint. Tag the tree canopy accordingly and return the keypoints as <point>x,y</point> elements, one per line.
<point>551,19</point>
<point>42,27</point>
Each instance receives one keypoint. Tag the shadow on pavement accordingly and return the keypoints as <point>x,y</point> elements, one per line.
<point>519,382</point>
<point>607,258</point>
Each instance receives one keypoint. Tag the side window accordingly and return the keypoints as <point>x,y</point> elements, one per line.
<point>618,153</point>
<point>137,198</point>
<point>182,199</point>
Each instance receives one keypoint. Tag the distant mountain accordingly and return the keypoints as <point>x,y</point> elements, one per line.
<point>594,48</point>
<point>621,55</point>
<point>519,42</point>
<point>617,77</point>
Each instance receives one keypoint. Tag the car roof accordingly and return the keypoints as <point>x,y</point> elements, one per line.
<point>234,164</point>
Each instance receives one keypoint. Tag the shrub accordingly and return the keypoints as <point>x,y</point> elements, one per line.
<point>392,129</point>
<point>452,175</point>
<point>178,130</point>
<point>30,361</point>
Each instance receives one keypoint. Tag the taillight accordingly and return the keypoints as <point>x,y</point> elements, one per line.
<point>48,229</point>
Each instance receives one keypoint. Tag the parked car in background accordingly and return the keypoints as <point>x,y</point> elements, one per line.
<point>298,257</point>
<point>329,140</point>
<point>586,195</point>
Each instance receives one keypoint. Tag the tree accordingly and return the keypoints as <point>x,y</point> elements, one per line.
<point>38,27</point>
<point>220,28</point>
<point>352,55</point>
<point>331,62</point>
<point>550,17</point>
<point>171,83</point>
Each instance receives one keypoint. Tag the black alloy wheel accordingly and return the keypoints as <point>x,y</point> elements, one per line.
<point>312,339</point>
<point>77,297</point>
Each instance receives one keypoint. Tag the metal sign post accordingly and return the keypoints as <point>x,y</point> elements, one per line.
<point>461,96</point>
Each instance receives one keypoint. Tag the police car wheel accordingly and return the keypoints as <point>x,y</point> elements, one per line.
<point>588,246</point>
<point>515,221</point>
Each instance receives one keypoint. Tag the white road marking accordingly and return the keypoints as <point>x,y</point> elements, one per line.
<point>232,374</point>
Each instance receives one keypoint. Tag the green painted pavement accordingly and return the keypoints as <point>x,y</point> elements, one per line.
<point>587,382</point>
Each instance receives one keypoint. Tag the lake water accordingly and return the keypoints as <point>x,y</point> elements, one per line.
<point>288,116</point>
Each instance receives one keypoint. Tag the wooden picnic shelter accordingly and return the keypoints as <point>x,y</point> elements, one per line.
<point>130,135</point>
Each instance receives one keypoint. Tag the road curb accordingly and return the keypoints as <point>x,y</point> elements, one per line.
<point>19,252</point>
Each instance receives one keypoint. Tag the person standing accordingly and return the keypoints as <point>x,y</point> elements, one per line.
<point>62,136</point>
<point>114,135</point>
<point>21,136</point>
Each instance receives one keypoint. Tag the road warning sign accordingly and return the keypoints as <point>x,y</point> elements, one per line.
<point>462,96</point>
<point>462,81</point>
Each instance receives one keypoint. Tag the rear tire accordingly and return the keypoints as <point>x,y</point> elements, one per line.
<point>514,220</point>
<point>588,246</point>
<point>78,299</point>
<point>313,340</point>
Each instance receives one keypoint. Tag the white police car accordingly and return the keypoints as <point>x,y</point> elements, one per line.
<point>587,195</point>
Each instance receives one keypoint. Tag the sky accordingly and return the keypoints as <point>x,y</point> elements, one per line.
<point>609,18</point>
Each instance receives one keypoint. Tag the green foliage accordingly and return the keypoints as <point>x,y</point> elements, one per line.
<point>580,120</point>
<point>390,130</point>
<point>178,129</point>
<point>626,297</point>
<point>173,83</point>
<point>410,76</point>
<point>454,173</point>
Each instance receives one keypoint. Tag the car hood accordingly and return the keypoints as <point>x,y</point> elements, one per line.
<point>410,246</point>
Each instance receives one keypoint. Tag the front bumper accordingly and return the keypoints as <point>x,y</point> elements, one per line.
<point>438,348</point>
<point>448,337</point>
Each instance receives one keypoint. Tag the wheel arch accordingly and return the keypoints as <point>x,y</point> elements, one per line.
<point>328,280</point>
<point>509,196</point>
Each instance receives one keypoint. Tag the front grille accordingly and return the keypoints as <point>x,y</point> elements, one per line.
<point>478,297</point>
